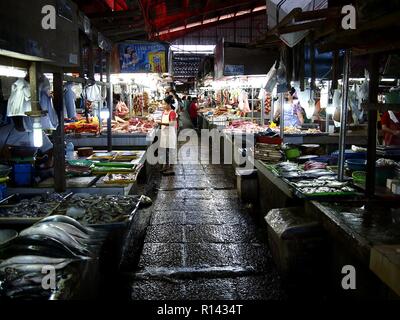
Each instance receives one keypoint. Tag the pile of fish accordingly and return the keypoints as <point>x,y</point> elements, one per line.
<point>291,170</point>
<point>21,277</point>
<point>99,209</point>
<point>36,207</point>
<point>57,243</point>
<point>324,184</point>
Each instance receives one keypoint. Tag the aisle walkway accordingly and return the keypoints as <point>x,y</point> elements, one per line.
<point>202,242</point>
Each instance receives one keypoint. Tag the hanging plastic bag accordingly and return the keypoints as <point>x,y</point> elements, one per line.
<point>310,108</point>
<point>336,103</point>
<point>281,73</point>
<point>93,93</point>
<point>271,80</point>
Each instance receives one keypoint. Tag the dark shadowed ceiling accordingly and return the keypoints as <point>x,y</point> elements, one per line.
<point>165,20</point>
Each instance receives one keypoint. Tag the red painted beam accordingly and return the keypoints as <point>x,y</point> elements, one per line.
<point>170,36</point>
<point>163,21</point>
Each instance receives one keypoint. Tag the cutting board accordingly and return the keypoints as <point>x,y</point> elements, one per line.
<point>75,182</point>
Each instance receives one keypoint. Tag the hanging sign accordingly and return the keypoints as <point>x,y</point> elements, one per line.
<point>143,57</point>
<point>233,70</point>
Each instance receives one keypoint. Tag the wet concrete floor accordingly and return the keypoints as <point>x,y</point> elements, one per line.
<point>201,242</point>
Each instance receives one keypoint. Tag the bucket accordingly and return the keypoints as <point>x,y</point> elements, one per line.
<point>23,174</point>
<point>382,174</point>
<point>3,191</point>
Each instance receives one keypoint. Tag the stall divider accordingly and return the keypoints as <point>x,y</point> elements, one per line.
<point>343,115</point>
<point>60,182</point>
<point>282,118</point>
<point>372,121</point>
<point>110,104</point>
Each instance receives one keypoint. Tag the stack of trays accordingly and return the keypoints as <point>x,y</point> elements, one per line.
<point>267,152</point>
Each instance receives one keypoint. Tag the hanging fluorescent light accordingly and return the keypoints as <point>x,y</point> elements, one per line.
<point>260,8</point>
<point>37,132</point>
<point>388,80</point>
<point>12,72</point>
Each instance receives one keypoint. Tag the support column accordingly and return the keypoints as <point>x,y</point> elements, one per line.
<point>109,103</point>
<point>343,115</point>
<point>372,121</point>
<point>60,183</point>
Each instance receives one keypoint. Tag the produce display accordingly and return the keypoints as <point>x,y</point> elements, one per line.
<point>291,170</point>
<point>121,110</point>
<point>103,155</point>
<point>112,178</point>
<point>323,185</point>
<point>133,125</point>
<point>78,167</point>
<point>83,126</point>
<point>297,131</point>
<point>312,179</point>
<point>98,209</point>
<point>126,156</point>
<point>242,126</point>
<point>30,207</point>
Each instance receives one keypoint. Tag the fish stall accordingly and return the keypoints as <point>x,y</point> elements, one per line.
<point>81,240</point>
<point>115,172</point>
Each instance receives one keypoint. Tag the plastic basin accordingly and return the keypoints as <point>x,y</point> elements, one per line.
<point>7,235</point>
<point>356,164</point>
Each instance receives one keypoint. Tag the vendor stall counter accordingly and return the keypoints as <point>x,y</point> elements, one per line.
<point>90,184</point>
<point>131,140</point>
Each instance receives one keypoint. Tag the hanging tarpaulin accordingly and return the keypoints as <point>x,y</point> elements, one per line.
<point>278,9</point>
<point>142,57</point>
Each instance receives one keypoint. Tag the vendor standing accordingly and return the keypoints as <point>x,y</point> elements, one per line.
<point>391,127</point>
<point>293,112</point>
<point>168,138</point>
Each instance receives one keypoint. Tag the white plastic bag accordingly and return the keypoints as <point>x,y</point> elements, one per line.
<point>271,81</point>
<point>93,93</point>
<point>281,73</point>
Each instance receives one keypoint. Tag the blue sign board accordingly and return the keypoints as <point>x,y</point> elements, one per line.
<point>142,57</point>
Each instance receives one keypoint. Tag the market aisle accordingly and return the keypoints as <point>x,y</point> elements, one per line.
<point>202,243</point>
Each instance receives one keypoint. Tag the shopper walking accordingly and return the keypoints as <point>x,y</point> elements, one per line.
<point>168,137</point>
<point>193,112</point>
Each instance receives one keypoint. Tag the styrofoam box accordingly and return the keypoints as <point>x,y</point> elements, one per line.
<point>291,39</point>
<point>389,183</point>
<point>396,187</point>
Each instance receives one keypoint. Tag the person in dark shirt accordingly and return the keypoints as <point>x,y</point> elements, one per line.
<point>193,112</point>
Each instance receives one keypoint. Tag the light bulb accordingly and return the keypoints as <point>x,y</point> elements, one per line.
<point>37,133</point>
<point>330,109</point>
<point>104,114</point>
